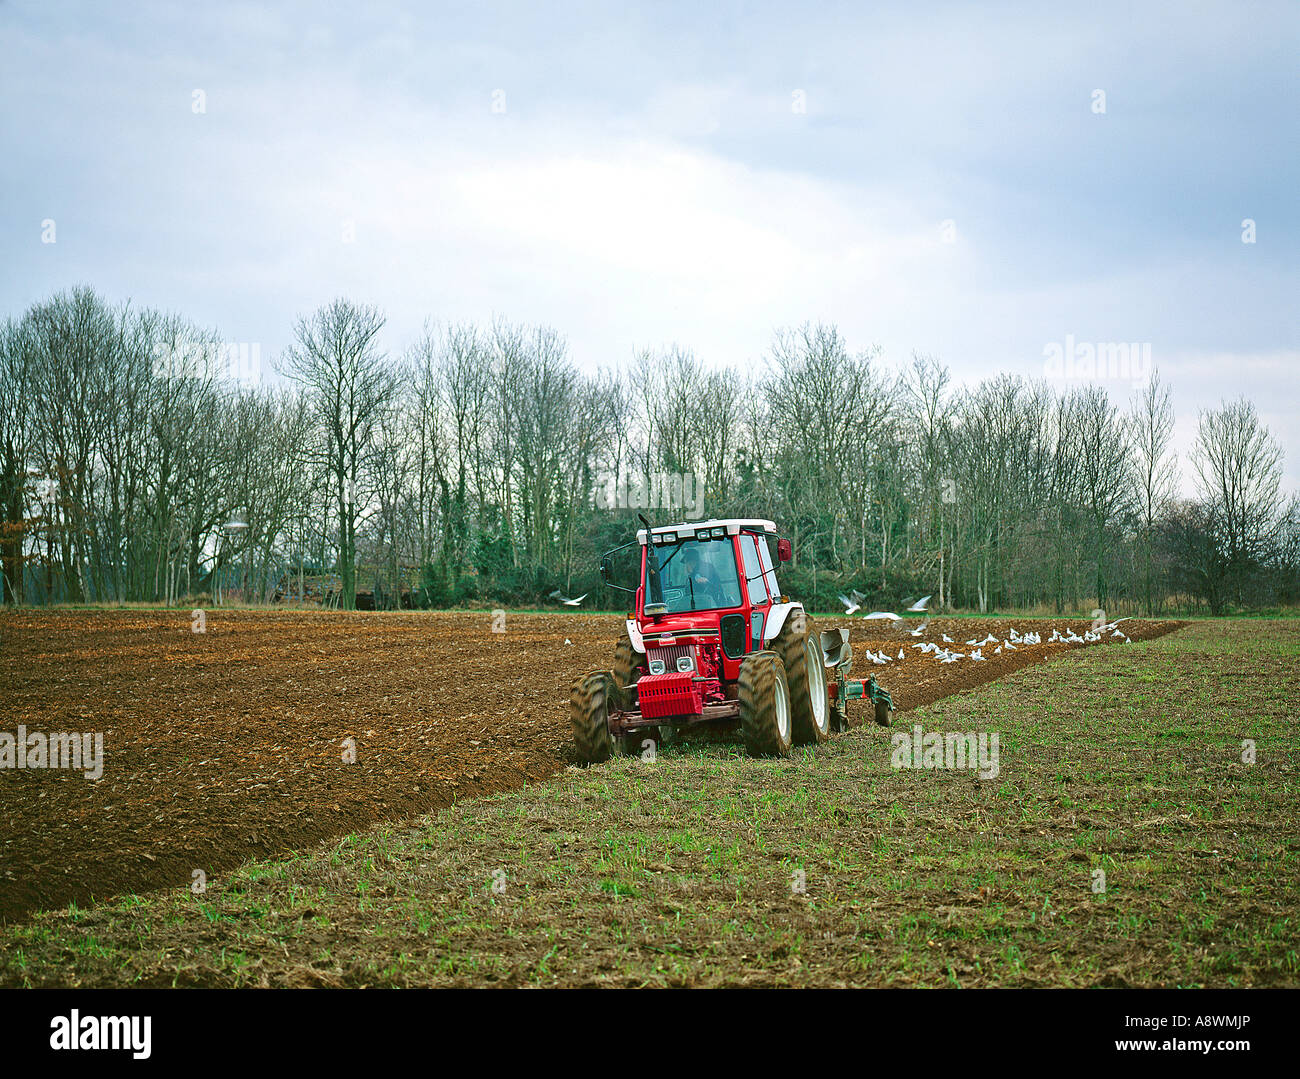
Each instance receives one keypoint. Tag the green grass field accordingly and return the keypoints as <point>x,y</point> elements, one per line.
<point>832,868</point>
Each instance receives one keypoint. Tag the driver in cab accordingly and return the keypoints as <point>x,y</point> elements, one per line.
<point>700,581</point>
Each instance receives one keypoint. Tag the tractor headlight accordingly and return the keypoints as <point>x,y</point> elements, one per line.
<point>656,666</point>
<point>685,664</point>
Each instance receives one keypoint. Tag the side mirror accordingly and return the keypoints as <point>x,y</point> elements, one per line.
<point>604,569</point>
<point>784,551</point>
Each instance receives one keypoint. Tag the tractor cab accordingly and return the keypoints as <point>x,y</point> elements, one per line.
<point>707,596</point>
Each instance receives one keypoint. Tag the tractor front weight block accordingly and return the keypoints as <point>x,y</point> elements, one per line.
<point>663,695</point>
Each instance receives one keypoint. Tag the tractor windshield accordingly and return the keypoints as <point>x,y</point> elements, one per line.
<point>697,575</point>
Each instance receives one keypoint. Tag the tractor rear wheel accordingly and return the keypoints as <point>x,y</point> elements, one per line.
<point>764,705</point>
<point>799,646</point>
<point>589,713</point>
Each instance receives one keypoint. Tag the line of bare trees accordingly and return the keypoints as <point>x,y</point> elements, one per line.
<point>136,464</point>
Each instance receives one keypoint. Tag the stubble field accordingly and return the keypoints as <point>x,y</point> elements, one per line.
<point>224,753</point>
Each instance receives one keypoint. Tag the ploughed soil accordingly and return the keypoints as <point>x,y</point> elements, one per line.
<point>232,743</point>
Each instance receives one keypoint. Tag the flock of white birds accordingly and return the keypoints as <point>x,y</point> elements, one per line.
<point>944,654</point>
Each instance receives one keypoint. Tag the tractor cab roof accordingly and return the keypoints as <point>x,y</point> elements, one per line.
<point>714,528</point>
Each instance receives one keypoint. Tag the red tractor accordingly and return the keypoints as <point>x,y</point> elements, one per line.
<point>714,641</point>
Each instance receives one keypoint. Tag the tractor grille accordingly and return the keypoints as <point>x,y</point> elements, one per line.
<point>669,654</point>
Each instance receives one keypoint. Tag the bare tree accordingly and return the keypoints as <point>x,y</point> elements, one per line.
<point>477,457</point>
<point>1107,478</point>
<point>16,450</point>
<point>829,408</point>
<point>1239,467</point>
<point>429,435</point>
<point>336,357</point>
<point>546,425</point>
<point>463,365</point>
<point>1155,469</point>
<point>75,339</point>
<point>924,393</point>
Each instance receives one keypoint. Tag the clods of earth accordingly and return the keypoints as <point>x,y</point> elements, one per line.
<point>273,731</point>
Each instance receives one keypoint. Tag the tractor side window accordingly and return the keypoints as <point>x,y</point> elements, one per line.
<point>756,631</point>
<point>765,556</point>
<point>753,571</point>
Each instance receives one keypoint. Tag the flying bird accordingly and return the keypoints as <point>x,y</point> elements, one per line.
<point>849,605</point>
<point>887,615</point>
<point>557,594</point>
<point>920,629</point>
<point>920,604</point>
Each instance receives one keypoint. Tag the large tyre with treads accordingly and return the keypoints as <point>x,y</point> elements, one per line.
<point>764,697</point>
<point>799,647</point>
<point>589,705</point>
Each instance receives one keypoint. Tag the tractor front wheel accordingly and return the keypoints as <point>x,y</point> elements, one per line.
<point>799,646</point>
<point>589,713</point>
<point>764,705</point>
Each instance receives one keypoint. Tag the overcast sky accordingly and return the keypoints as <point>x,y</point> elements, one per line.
<point>939,178</point>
